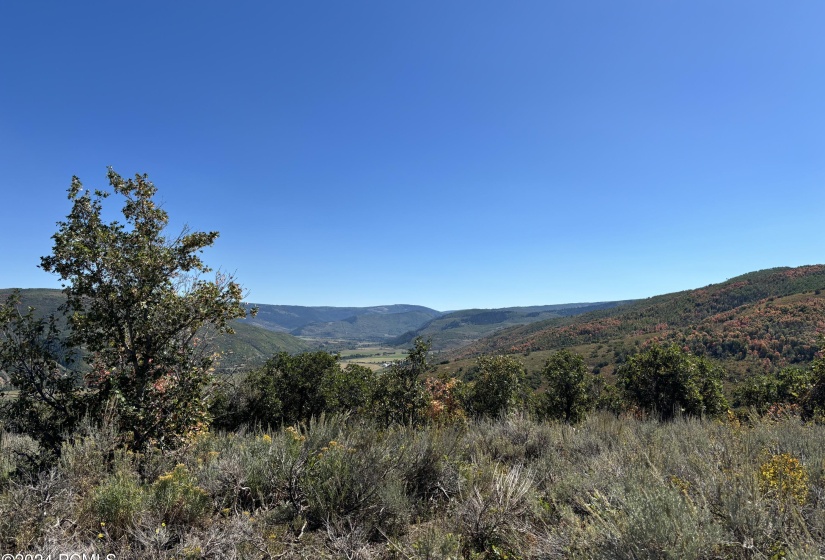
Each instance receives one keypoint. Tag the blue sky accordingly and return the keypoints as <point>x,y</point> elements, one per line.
<point>448,154</point>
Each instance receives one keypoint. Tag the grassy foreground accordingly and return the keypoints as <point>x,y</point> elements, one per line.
<point>510,488</point>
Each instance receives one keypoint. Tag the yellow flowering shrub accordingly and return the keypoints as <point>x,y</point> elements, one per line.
<point>784,476</point>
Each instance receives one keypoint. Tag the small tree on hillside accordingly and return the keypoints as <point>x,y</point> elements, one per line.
<point>288,388</point>
<point>400,396</point>
<point>497,385</point>
<point>348,389</point>
<point>569,394</point>
<point>668,380</point>
<point>813,400</point>
<point>136,304</point>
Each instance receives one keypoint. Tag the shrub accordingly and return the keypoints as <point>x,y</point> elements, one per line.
<point>788,386</point>
<point>813,403</point>
<point>497,385</point>
<point>400,396</point>
<point>667,381</point>
<point>354,482</point>
<point>287,389</point>
<point>117,503</point>
<point>347,390</point>
<point>652,520</point>
<point>783,476</point>
<point>444,396</point>
<point>569,387</point>
<point>176,498</point>
<point>495,514</point>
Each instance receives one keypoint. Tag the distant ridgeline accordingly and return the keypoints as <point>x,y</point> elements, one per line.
<point>362,324</point>
<point>756,322</point>
<point>399,325</point>
<point>459,328</point>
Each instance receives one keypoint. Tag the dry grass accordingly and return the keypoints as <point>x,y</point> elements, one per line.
<point>512,488</point>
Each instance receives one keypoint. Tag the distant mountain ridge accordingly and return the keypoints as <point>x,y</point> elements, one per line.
<point>458,328</point>
<point>287,318</point>
<point>398,325</point>
<point>376,323</point>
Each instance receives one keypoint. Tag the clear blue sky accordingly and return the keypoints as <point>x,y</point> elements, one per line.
<point>448,154</point>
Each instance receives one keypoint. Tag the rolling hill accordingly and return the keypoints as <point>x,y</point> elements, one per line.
<point>459,328</point>
<point>363,324</point>
<point>756,322</point>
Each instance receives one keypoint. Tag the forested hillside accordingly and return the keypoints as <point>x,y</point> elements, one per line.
<point>459,328</point>
<point>758,321</point>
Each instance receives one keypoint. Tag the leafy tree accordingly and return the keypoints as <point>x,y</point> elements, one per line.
<point>813,401</point>
<point>445,396</point>
<point>497,385</point>
<point>667,380</point>
<point>569,387</point>
<point>790,385</point>
<point>137,304</point>
<point>347,389</point>
<point>610,398</point>
<point>288,388</point>
<point>400,394</point>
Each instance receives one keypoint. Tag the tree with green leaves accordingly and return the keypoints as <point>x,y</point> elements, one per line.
<point>400,395</point>
<point>667,381</point>
<point>137,306</point>
<point>569,394</point>
<point>348,389</point>
<point>287,389</point>
<point>790,385</point>
<point>813,399</point>
<point>497,386</point>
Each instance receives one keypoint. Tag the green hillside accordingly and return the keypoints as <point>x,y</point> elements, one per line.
<point>294,318</point>
<point>460,328</point>
<point>753,323</point>
<point>367,327</point>
<point>249,346</point>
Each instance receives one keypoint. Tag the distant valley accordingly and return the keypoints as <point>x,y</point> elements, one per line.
<point>757,322</point>
<point>294,328</point>
<point>398,325</point>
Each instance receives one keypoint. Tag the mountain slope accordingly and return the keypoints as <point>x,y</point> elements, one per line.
<point>368,324</point>
<point>764,320</point>
<point>367,327</point>
<point>460,328</point>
